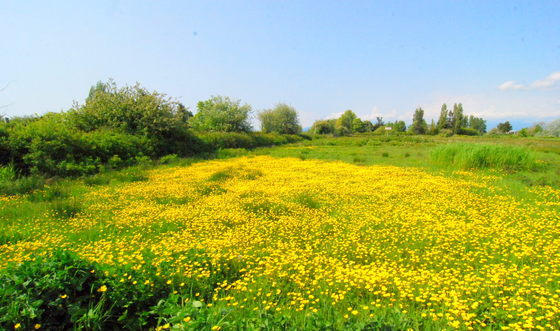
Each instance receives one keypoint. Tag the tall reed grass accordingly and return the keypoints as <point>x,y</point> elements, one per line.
<point>484,156</point>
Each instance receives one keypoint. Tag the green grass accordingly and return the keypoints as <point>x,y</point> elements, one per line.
<point>484,156</point>
<point>519,162</point>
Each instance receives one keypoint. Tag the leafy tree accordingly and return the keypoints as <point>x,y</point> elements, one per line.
<point>183,114</point>
<point>358,125</point>
<point>397,126</point>
<point>443,118</point>
<point>504,127</point>
<point>477,123</point>
<point>98,88</point>
<point>280,119</point>
<point>457,121</point>
<point>368,126</point>
<point>131,109</point>
<point>536,129</point>
<point>523,132</point>
<point>222,114</point>
<point>345,122</point>
<point>323,127</point>
<point>378,123</point>
<point>419,125</point>
<point>432,129</point>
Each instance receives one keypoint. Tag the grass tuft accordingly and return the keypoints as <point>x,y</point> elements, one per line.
<point>482,156</point>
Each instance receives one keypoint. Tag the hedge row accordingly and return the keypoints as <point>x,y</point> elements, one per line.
<point>49,148</point>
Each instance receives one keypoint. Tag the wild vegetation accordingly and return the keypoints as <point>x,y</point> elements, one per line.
<point>385,232</point>
<point>131,212</point>
<point>119,127</point>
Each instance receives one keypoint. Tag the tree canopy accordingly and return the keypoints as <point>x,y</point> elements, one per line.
<point>222,114</point>
<point>280,119</point>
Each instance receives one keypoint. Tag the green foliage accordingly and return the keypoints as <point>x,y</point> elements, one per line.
<point>222,114</point>
<point>130,109</point>
<point>457,122</point>
<point>445,132</point>
<point>344,124</point>
<point>221,140</point>
<point>477,123</point>
<point>418,125</point>
<point>281,119</point>
<point>358,125</point>
<point>7,173</point>
<point>170,158</point>
<point>53,292</point>
<point>504,127</point>
<point>457,118</point>
<point>398,126</point>
<point>481,156</point>
<point>116,127</point>
<point>324,127</point>
<point>380,130</point>
<point>133,110</point>
<point>21,185</point>
<point>535,130</point>
<point>51,146</point>
<point>468,132</point>
<point>443,122</point>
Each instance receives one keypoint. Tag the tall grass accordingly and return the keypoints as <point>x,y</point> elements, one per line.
<point>483,156</point>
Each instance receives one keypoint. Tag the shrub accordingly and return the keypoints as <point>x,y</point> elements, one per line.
<point>130,109</point>
<point>222,140</point>
<point>170,158</point>
<point>7,173</point>
<point>222,114</point>
<point>281,119</point>
<point>468,132</point>
<point>445,132</point>
<point>51,291</point>
<point>480,156</point>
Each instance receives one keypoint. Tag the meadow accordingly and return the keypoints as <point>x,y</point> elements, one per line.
<point>350,233</point>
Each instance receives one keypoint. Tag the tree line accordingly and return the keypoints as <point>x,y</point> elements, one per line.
<point>451,121</point>
<point>120,126</point>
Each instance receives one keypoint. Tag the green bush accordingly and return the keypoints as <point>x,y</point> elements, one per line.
<point>222,114</point>
<point>7,173</point>
<point>480,156</point>
<point>468,132</point>
<point>167,159</point>
<point>445,132</point>
<point>222,140</point>
<point>53,292</point>
<point>119,127</point>
<point>281,119</point>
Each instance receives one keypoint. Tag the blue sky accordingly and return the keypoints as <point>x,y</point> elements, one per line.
<point>501,59</point>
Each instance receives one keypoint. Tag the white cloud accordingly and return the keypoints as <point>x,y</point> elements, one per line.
<point>510,85</point>
<point>548,81</point>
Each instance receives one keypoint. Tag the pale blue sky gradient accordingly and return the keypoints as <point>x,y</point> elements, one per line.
<point>378,58</point>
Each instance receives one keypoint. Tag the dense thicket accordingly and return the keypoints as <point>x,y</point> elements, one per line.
<point>116,127</point>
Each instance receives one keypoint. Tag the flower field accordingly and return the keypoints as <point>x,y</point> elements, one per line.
<point>284,243</point>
